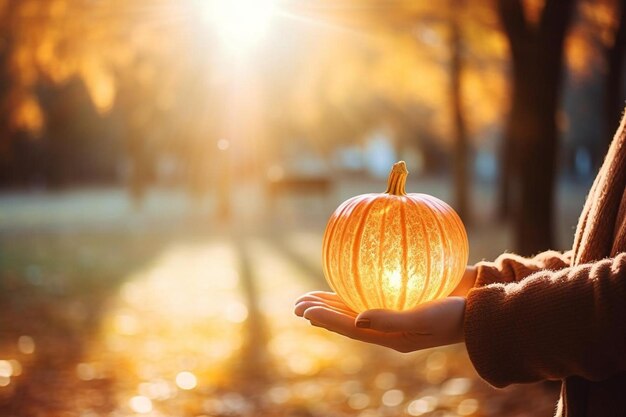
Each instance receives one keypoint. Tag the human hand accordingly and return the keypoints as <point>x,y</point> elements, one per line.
<point>467,282</point>
<point>435,323</point>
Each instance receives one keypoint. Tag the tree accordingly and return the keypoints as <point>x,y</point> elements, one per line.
<point>439,36</point>
<point>7,17</point>
<point>531,134</point>
<point>461,143</point>
<point>614,99</point>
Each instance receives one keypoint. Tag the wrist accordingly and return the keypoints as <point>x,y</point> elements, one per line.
<point>467,282</point>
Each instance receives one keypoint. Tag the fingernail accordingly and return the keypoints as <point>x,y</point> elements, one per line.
<point>363,323</point>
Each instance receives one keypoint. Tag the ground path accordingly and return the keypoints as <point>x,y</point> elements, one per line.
<point>132,316</point>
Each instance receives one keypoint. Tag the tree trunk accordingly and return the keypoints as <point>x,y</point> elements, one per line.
<point>461,145</point>
<point>614,83</point>
<point>7,27</point>
<point>537,55</point>
<point>533,136</point>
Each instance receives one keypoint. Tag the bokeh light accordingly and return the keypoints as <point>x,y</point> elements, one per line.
<point>140,404</point>
<point>186,380</point>
<point>422,405</point>
<point>393,397</point>
<point>26,345</point>
<point>6,369</point>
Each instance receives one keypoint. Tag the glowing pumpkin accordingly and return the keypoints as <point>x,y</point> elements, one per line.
<point>394,250</point>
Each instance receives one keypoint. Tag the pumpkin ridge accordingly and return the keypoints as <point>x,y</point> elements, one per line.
<point>451,236</point>
<point>442,235</point>
<point>345,273</point>
<point>462,232</point>
<point>379,271</point>
<point>356,252</point>
<point>344,223</point>
<point>403,260</point>
<point>328,238</point>
<point>426,246</point>
<point>326,244</point>
<point>459,229</point>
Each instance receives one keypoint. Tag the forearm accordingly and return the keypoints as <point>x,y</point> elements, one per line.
<point>550,325</point>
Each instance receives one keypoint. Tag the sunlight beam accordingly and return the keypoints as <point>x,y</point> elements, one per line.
<point>239,24</point>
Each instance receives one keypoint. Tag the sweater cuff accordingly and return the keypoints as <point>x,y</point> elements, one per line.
<point>490,341</point>
<point>487,273</point>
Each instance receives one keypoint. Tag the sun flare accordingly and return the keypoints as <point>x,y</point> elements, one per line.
<point>239,24</point>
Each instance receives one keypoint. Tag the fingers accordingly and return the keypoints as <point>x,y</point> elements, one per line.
<point>342,323</point>
<point>317,295</point>
<point>391,321</point>
<point>302,306</point>
<point>422,319</point>
<point>330,319</point>
<point>443,316</point>
<point>381,320</point>
<point>321,298</point>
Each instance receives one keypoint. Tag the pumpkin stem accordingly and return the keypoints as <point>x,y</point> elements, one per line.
<point>397,179</point>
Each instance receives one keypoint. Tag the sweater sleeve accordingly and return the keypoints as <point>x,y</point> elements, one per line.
<point>509,267</point>
<point>550,325</point>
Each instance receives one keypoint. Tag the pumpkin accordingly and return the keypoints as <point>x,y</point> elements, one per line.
<point>393,250</point>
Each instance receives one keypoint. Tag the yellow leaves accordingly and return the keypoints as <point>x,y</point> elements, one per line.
<point>29,9</point>
<point>485,96</point>
<point>350,65</point>
<point>58,8</point>
<point>44,53</point>
<point>100,84</point>
<point>25,73</point>
<point>591,34</point>
<point>602,17</point>
<point>28,115</point>
<point>579,53</point>
<point>532,10</point>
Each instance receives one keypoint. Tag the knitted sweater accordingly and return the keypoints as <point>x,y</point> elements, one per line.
<point>562,316</point>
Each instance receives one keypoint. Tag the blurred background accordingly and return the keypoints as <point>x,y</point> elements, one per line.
<point>167,169</point>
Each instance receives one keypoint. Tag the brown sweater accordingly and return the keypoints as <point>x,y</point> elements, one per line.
<point>562,316</point>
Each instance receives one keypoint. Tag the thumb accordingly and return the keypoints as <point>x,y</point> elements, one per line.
<point>388,320</point>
